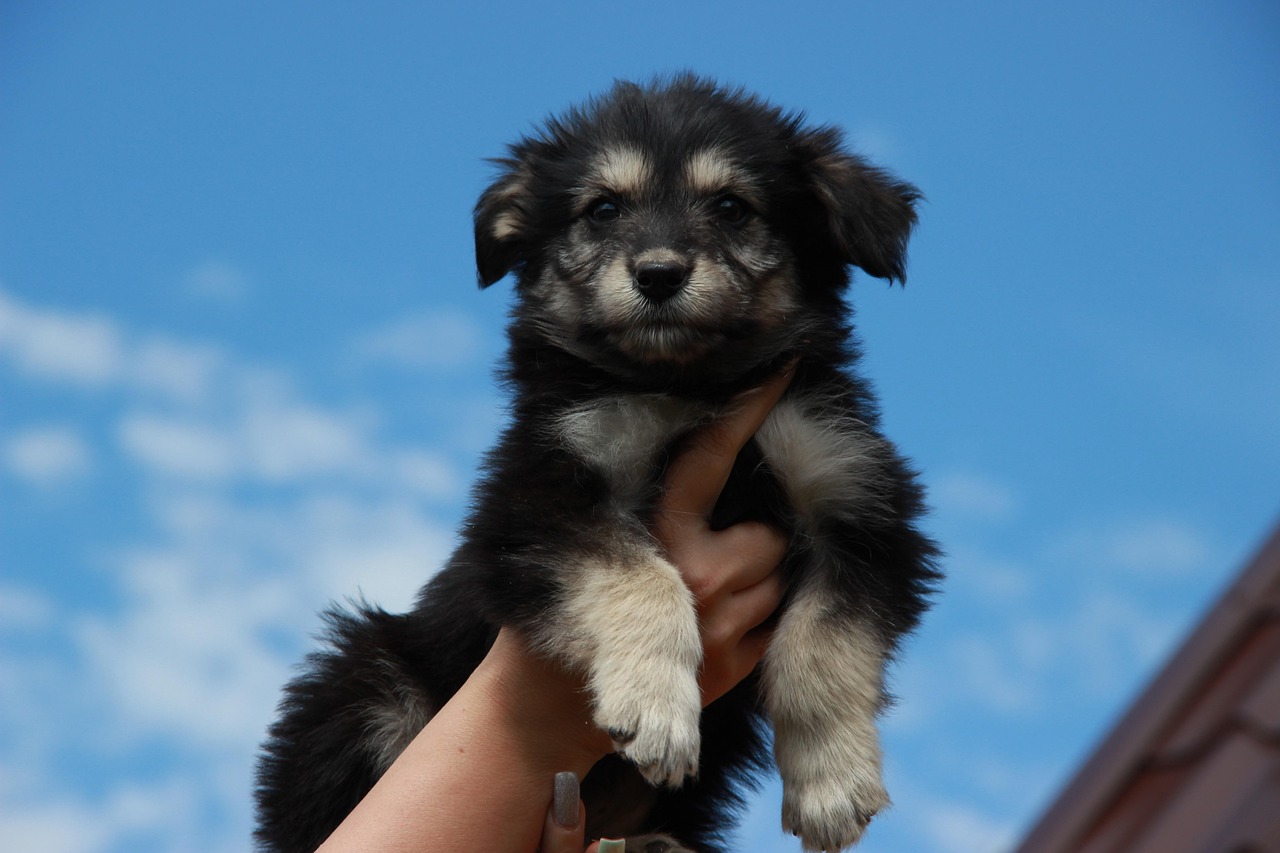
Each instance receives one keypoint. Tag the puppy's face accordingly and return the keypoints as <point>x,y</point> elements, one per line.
<point>665,255</point>
<point>684,227</point>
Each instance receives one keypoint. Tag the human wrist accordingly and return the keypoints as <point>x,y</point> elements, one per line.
<point>544,709</point>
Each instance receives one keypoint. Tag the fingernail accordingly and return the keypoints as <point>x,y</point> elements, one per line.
<point>612,845</point>
<point>564,803</point>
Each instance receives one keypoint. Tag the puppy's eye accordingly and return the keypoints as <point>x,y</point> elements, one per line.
<point>603,210</point>
<point>732,210</point>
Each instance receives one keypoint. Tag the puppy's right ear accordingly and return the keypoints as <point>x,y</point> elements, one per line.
<point>501,218</point>
<point>869,213</point>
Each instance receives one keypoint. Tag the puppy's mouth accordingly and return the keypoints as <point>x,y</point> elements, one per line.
<point>664,342</point>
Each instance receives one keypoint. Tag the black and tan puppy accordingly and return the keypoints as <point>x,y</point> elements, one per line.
<point>673,245</point>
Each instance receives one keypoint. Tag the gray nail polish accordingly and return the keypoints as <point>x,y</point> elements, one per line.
<point>564,804</point>
<point>612,845</point>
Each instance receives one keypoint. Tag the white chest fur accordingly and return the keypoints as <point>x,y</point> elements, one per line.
<point>828,462</point>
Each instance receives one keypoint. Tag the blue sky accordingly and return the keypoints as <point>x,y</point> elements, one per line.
<point>245,369</point>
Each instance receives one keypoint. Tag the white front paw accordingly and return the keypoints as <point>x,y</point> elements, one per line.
<point>656,730</point>
<point>638,637</point>
<point>830,812</point>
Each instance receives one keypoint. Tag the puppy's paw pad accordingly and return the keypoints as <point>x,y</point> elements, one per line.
<point>621,736</point>
<point>665,751</point>
<point>832,816</point>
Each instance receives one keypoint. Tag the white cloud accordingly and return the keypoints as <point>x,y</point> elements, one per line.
<point>196,413</point>
<point>428,474</point>
<point>83,349</point>
<point>191,652</point>
<point>47,456</point>
<point>183,372</point>
<point>186,655</point>
<point>991,579</point>
<point>280,441</point>
<point>1112,638</point>
<point>383,552</point>
<point>972,495</point>
<point>431,340</point>
<point>953,826</point>
<point>181,448</point>
<point>51,827</point>
<point>217,281</point>
<point>24,609</point>
<point>1158,547</point>
<point>993,673</point>
<point>286,440</point>
<point>1093,645</point>
<point>165,812</point>
<point>91,350</point>
<point>213,602</point>
<point>878,143</point>
<point>1144,547</point>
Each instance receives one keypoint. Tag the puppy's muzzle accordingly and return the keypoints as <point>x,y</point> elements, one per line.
<point>658,281</point>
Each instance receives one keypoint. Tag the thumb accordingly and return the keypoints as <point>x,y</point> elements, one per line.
<point>565,824</point>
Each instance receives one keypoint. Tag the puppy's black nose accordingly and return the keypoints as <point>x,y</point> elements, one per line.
<point>658,281</point>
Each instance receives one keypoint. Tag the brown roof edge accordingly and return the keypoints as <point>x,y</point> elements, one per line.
<point>1064,824</point>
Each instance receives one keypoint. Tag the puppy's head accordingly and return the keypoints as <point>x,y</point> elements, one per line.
<point>682,225</point>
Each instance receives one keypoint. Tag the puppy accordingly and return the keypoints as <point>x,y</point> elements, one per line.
<point>673,244</point>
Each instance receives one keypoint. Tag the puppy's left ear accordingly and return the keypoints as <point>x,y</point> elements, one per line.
<point>870,214</point>
<point>501,222</point>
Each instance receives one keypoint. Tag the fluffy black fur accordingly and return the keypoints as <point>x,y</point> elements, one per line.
<point>811,211</point>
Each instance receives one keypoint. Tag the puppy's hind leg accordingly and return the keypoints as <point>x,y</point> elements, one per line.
<point>823,679</point>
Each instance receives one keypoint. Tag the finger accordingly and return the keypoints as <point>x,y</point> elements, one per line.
<point>608,845</point>
<point>716,563</point>
<point>698,473</point>
<point>754,644</point>
<point>757,603</point>
<point>724,625</point>
<point>564,827</point>
<point>759,549</point>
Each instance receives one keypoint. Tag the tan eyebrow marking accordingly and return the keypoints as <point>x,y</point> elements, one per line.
<point>710,171</point>
<point>625,171</point>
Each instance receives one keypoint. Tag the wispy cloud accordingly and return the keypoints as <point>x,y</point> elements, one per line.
<point>1158,547</point>
<point>279,440</point>
<point>259,506</point>
<point>217,281</point>
<point>87,350</point>
<point>1076,616</point>
<point>181,371</point>
<point>436,339</point>
<point>46,456</point>
<point>166,814</point>
<point>970,495</point>
<point>78,348</point>
<point>1036,628</point>
<point>951,826</point>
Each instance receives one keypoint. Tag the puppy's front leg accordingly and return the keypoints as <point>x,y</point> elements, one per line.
<point>632,627</point>
<point>823,685</point>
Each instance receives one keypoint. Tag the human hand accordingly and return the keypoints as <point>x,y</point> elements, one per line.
<point>732,573</point>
